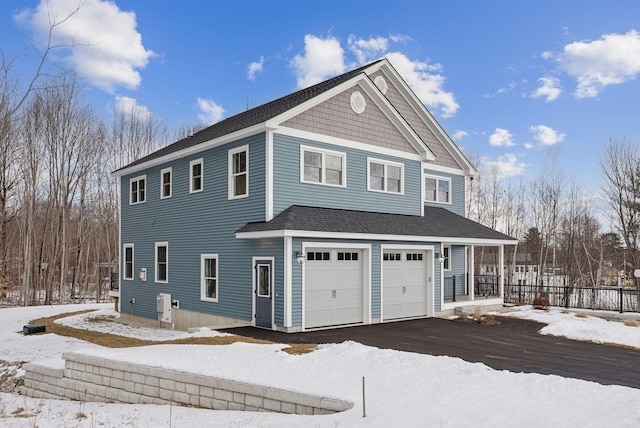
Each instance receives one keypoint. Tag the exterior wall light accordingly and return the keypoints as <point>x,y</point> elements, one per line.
<point>300,256</point>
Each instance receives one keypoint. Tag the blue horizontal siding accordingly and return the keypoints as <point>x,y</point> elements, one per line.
<point>458,196</point>
<point>289,190</point>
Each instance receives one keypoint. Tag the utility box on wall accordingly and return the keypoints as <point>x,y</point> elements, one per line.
<point>163,301</point>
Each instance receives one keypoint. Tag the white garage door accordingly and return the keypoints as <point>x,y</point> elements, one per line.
<point>333,287</point>
<point>404,279</point>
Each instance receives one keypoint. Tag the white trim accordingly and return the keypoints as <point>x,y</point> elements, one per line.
<point>133,265</point>
<point>268,210</point>
<point>288,279</point>
<point>138,179</point>
<point>429,168</point>
<point>429,259</point>
<point>323,168</point>
<point>438,179</point>
<point>366,274</point>
<point>162,173</point>
<point>198,148</point>
<point>444,246</point>
<point>370,236</point>
<point>386,164</point>
<point>119,179</point>
<point>344,143</point>
<point>230,176</point>
<point>217,277</point>
<point>155,265</point>
<point>254,265</point>
<point>191,164</point>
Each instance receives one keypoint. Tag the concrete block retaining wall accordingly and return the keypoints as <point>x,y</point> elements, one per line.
<point>90,378</point>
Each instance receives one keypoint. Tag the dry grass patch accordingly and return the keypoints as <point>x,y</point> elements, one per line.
<point>115,341</point>
<point>582,314</point>
<point>630,322</point>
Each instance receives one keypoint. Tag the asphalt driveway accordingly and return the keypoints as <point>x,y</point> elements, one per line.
<point>513,345</point>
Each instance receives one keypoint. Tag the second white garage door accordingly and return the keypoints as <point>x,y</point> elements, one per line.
<point>404,284</point>
<point>333,287</point>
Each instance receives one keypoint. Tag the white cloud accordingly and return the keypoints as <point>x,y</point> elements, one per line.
<point>612,59</point>
<point>255,67</point>
<point>323,58</point>
<point>130,106</point>
<point>423,79</point>
<point>367,50</point>
<point>210,112</point>
<point>549,89</point>
<point>545,135</point>
<point>547,55</point>
<point>108,49</point>
<point>501,137</point>
<point>507,165</point>
<point>528,146</point>
<point>459,134</point>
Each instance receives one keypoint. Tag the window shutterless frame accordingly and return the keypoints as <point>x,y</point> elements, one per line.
<point>162,262</point>
<point>437,189</point>
<point>165,183</point>
<point>385,176</point>
<point>238,172</point>
<point>128,266</point>
<point>322,166</point>
<point>138,190</point>
<point>196,175</point>
<point>209,277</point>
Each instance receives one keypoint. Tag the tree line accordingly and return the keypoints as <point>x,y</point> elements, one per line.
<point>557,224</point>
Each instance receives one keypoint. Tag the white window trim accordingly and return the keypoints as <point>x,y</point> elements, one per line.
<point>162,173</point>
<point>155,256</point>
<point>385,163</point>
<point>124,264</point>
<point>438,179</point>
<point>323,152</point>
<point>448,258</point>
<point>230,175</point>
<point>138,179</point>
<point>202,281</point>
<point>191,164</point>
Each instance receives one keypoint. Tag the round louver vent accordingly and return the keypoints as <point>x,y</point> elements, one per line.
<point>381,84</point>
<point>357,102</point>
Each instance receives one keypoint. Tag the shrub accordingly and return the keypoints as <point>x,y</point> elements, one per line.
<point>541,303</point>
<point>631,322</point>
<point>582,314</point>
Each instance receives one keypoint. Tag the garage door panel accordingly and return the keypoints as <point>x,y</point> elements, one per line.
<point>404,284</point>
<point>333,288</point>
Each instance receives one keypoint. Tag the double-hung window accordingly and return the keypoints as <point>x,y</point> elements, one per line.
<point>322,166</point>
<point>162,262</point>
<point>437,189</point>
<point>195,176</point>
<point>165,183</point>
<point>138,188</point>
<point>446,255</point>
<point>239,172</point>
<point>128,262</point>
<point>209,277</point>
<point>385,176</point>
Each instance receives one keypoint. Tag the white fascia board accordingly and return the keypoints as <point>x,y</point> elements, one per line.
<point>427,167</point>
<point>371,237</point>
<point>200,147</point>
<point>374,93</point>
<point>387,69</point>
<point>340,143</point>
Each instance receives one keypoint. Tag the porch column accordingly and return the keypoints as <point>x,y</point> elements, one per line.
<point>472,287</point>
<point>501,275</point>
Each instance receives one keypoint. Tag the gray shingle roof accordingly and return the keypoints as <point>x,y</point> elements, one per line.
<point>436,222</point>
<point>253,116</point>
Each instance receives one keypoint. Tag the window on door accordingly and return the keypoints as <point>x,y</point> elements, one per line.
<point>264,280</point>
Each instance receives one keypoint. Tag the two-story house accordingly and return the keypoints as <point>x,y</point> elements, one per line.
<point>339,204</point>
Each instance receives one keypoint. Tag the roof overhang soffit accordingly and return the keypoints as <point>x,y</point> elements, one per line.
<point>387,69</point>
<point>378,98</point>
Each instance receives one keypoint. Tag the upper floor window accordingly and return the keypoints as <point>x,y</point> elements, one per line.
<point>239,172</point>
<point>162,262</point>
<point>195,176</point>
<point>165,183</point>
<point>437,189</point>
<point>385,176</point>
<point>128,261</point>
<point>138,190</point>
<point>323,167</point>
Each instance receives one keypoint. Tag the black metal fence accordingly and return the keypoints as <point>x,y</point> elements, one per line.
<point>621,299</point>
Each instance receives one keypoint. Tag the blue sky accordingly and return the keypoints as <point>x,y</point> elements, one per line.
<point>510,81</point>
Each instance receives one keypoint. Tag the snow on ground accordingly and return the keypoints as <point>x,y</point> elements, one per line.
<point>402,389</point>
<point>589,328</point>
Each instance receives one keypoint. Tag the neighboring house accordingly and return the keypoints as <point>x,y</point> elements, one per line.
<point>342,203</point>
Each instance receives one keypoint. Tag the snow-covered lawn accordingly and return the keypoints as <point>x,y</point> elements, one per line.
<point>402,389</point>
